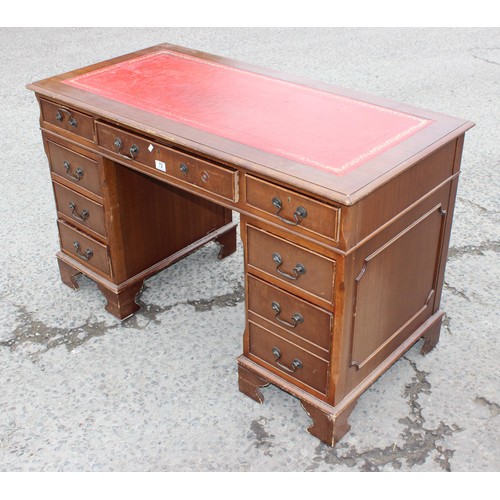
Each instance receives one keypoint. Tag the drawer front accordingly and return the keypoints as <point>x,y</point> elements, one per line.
<point>67,119</point>
<point>169,163</point>
<point>291,209</point>
<point>80,170</point>
<point>297,317</point>
<point>80,210</point>
<point>291,264</point>
<point>213,178</point>
<point>288,358</point>
<point>85,249</point>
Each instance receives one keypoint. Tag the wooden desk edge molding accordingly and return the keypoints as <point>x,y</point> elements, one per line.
<point>346,204</point>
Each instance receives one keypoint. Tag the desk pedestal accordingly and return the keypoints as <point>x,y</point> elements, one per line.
<point>119,226</point>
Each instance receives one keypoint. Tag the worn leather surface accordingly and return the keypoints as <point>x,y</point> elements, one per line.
<point>312,127</point>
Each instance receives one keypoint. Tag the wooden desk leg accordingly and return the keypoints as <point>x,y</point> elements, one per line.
<point>68,274</point>
<point>328,427</point>
<point>227,242</point>
<point>249,383</point>
<point>330,423</point>
<point>122,304</point>
<point>431,336</point>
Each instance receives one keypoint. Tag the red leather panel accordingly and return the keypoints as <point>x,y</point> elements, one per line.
<point>312,127</point>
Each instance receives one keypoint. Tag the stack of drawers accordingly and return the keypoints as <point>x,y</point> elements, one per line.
<point>290,288</point>
<point>77,182</point>
<point>122,210</point>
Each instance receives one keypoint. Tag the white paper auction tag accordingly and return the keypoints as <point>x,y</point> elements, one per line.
<point>160,165</point>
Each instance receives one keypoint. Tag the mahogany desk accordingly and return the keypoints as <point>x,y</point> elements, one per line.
<point>346,204</point>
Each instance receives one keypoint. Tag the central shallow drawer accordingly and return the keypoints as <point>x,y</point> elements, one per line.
<point>180,167</point>
<point>298,268</point>
<point>288,358</point>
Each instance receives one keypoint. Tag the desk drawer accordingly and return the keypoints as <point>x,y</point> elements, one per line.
<point>84,248</point>
<point>172,164</point>
<point>80,210</point>
<point>67,119</point>
<point>298,318</point>
<point>288,358</point>
<point>291,209</point>
<point>80,170</point>
<point>291,264</point>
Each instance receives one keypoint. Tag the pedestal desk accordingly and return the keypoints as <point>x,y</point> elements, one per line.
<point>346,204</point>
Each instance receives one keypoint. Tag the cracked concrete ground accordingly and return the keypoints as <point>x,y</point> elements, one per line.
<point>81,391</point>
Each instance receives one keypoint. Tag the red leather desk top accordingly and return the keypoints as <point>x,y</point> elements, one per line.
<point>324,130</point>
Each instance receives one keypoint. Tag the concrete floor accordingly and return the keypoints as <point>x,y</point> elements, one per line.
<point>81,391</point>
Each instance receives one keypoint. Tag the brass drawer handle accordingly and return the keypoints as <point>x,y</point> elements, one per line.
<point>78,172</point>
<point>71,119</point>
<point>299,214</point>
<point>184,168</point>
<point>82,216</point>
<point>134,149</point>
<point>88,253</point>
<point>297,271</point>
<point>296,363</point>
<point>295,320</point>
